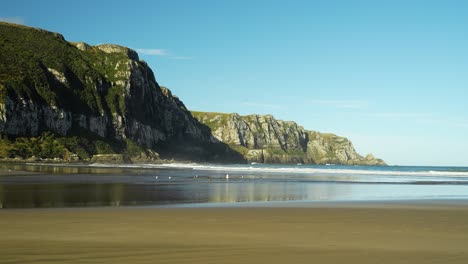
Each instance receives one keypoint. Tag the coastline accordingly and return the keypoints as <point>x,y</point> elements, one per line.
<point>331,232</point>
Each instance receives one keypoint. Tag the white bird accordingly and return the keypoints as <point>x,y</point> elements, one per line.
<point>170,177</point>
<point>156,177</point>
<point>227,176</point>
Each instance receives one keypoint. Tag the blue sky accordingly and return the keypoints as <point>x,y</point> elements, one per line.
<point>390,75</point>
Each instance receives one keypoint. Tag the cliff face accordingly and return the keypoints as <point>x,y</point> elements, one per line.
<point>50,85</point>
<point>267,140</point>
<point>74,101</point>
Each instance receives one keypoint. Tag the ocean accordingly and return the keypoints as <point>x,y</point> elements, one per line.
<point>192,184</point>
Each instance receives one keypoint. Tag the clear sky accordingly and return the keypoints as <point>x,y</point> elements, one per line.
<point>390,75</point>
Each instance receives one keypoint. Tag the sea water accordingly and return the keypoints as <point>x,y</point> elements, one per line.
<point>46,185</point>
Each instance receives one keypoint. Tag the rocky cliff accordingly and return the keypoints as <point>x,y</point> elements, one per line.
<point>268,140</point>
<point>72,101</point>
<point>87,100</point>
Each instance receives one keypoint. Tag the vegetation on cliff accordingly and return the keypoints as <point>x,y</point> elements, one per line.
<point>81,100</point>
<point>266,139</point>
<point>50,146</point>
<point>73,101</point>
<point>40,65</point>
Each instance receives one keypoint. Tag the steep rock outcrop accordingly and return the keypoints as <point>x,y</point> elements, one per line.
<point>268,140</point>
<point>50,85</point>
<point>65,99</point>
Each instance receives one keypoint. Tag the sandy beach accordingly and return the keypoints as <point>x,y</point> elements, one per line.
<point>329,233</point>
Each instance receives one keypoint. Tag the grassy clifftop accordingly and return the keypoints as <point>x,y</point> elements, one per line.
<point>42,66</point>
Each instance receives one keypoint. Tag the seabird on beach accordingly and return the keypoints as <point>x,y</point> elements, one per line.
<point>227,176</point>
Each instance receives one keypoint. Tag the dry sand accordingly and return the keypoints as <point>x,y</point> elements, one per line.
<point>326,234</point>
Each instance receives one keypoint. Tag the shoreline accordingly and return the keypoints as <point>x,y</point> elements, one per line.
<point>417,204</point>
<point>65,186</point>
<point>327,233</point>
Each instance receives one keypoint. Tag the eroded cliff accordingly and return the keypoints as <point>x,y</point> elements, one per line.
<point>102,93</point>
<point>262,138</point>
<point>72,101</point>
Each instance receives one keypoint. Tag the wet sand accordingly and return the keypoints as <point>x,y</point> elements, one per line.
<point>327,233</point>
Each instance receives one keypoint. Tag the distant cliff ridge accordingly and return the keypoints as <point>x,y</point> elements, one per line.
<point>73,101</point>
<point>262,138</point>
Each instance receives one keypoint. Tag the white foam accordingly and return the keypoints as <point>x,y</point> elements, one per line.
<point>289,170</point>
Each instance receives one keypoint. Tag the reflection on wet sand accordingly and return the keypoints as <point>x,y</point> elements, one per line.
<point>27,186</point>
<point>24,168</point>
<point>1,196</point>
<point>276,191</point>
<point>69,186</point>
<point>116,194</point>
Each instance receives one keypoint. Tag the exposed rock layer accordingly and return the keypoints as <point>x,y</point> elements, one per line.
<point>107,95</point>
<point>49,84</point>
<point>268,140</point>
